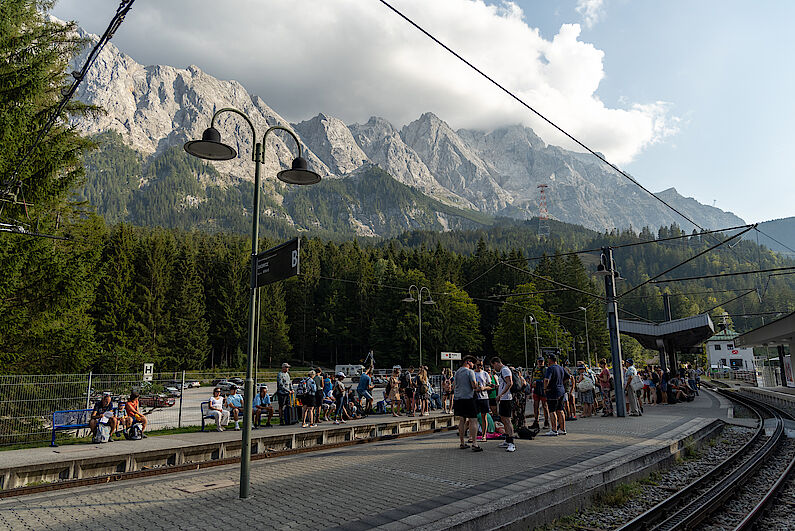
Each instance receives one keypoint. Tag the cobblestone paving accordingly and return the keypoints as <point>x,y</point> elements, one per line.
<point>354,487</point>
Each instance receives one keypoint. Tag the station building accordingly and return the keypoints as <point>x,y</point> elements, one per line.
<point>723,353</point>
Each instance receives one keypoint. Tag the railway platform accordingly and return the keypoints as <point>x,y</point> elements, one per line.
<point>424,481</point>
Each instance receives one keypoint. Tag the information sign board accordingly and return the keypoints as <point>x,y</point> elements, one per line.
<point>451,356</point>
<point>149,369</point>
<point>278,263</point>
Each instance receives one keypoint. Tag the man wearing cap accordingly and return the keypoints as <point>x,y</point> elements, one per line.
<point>103,414</point>
<point>556,394</point>
<point>235,404</point>
<point>284,387</point>
<point>539,399</point>
<point>262,404</point>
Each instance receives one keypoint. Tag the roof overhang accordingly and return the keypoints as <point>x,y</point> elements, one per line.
<point>678,334</point>
<point>779,332</point>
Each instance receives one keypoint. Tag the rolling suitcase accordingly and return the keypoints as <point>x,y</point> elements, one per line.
<point>292,414</point>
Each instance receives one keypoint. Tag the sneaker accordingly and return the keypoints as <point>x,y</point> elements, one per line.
<point>336,422</point>
<point>561,432</point>
<point>551,433</point>
<point>546,425</point>
<point>503,444</point>
<point>237,427</point>
<point>511,448</point>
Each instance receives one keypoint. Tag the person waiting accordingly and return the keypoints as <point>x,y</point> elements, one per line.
<point>234,402</point>
<point>217,410</point>
<point>103,413</point>
<point>262,404</point>
<point>134,414</point>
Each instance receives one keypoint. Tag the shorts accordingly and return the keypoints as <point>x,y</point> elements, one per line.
<point>308,400</point>
<point>493,401</point>
<point>408,391</point>
<point>505,409</point>
<point>318,398</point>
<point>365,394</point>
<point>482,405</point>
<point>587,397</point>
<point>542,398</point>
<point>555,404</point>
<point>465,407</point>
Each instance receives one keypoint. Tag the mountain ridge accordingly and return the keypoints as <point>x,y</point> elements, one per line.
<point>495,173</point>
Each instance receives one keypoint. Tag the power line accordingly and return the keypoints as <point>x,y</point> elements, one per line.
<point>775,240</point>
<point>537,113</point>
<point>554,282</point>
<point>78,75</point>
<point>705,251</point>
<point>724,275</point>
<point>631,244</point>
<point>711,292</point>
<point>730,300</point>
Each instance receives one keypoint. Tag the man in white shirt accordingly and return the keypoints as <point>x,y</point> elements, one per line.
<point>483,380</point>
<point>505,401</point>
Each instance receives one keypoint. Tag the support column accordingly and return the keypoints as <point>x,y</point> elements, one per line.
<point>612,325</point>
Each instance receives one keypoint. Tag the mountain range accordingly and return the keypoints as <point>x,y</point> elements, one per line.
<point>380,179</point>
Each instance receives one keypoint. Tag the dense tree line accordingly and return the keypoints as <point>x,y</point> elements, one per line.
<point>112,295</point>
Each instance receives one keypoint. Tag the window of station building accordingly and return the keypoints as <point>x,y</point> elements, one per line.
<point>717,346</point>
<point>729,346</point>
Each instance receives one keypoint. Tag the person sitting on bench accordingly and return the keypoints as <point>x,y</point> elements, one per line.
<point>262,404</point>
<point>217,410</point>
<point>103,414</point>
<point>234,402</point>
<point>134,413</point>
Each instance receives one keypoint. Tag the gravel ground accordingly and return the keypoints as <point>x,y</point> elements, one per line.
<point>629,500</point>
<point>744,500</point>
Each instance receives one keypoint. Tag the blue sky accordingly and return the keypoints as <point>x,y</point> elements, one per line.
<point>727,68</point>
<point>691,95</point>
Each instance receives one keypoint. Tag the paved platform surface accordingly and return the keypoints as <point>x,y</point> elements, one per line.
<point>395,484</point>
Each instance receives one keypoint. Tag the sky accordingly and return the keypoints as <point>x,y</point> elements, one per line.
<point>691,95</point>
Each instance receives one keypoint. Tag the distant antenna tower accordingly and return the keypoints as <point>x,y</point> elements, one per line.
<point>543,213</point>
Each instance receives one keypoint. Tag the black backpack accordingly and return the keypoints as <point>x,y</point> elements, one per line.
<point>517,382</point>
<point>134,433</point>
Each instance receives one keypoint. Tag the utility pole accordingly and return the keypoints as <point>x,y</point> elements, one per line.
<point>607,269</point>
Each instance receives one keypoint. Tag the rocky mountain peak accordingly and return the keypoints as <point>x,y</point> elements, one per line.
<point>331,140</point>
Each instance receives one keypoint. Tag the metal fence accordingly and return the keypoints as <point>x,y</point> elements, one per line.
<point>169,400</point>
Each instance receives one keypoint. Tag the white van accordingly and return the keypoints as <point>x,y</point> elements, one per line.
<point>349,370</point>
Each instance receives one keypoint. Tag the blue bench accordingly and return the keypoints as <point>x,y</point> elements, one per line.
<point>74,419</point>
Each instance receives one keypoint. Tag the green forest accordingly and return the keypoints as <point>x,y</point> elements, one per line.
<point>144,279</point>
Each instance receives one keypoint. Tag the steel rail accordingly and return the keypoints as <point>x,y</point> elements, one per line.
<point>665,514</point>
<point>767,500</point>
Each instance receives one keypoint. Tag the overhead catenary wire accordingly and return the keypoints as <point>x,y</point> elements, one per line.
<point>537,113</point>
<point>718,275</point>
<point>553,282</point>
<point>79,76</point>
<point>652,280</point>
<point>790,249</point>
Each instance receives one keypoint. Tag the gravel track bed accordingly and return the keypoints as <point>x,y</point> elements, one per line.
<point>746,498</point>
<point>628,501</point>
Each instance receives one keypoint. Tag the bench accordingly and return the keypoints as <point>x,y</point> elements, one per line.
<point>74,419</point>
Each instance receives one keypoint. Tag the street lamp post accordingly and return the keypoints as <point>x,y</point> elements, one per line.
<point>587,346</point>
<point>419,302</point>
<point>210,147</point>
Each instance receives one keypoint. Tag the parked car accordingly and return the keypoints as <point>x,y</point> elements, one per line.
<point>237,381</point>
<point>156,401</point>
<point>174,391</point>
<point>194,383</point>
<point>225,385</point>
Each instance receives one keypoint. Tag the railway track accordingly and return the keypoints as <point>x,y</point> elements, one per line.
<point>700,500</point>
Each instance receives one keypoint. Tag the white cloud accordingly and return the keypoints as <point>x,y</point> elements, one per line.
<point>591,11</point>
<point>355,59</point>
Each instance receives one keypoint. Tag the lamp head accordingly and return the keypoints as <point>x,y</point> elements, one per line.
<point>583,308</point>
<point>298,174</point>
<point>210,146</point>
<point>601,271</point>
<point>429,301</point>
<point>409,299</point>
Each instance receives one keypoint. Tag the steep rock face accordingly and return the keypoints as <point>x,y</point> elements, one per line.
<point>331,140</point>
<point>155,107</point>
<point>454,164</point>
<point>384,146</point>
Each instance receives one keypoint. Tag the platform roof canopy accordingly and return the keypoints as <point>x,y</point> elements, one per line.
<point>779,332</point>
<point>679,334</point>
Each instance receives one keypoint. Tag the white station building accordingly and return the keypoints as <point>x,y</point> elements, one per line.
<point>724,354</point>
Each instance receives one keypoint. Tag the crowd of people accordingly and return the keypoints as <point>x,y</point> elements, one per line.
<point>490,398</point>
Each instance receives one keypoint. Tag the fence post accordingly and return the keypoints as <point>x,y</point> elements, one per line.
<point>88,396</point>
<point>181,392</point>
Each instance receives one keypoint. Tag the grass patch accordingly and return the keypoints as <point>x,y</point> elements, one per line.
<point>619,495</point>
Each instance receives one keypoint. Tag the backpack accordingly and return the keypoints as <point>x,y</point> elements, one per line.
<point>526,433</point>
<point>338,390</point>
<point>135,433</point>
<point>305,387</point>
<point>517,382</point>
<point>380,407</point>
<point>585,385</point>
<point>102,435</point>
